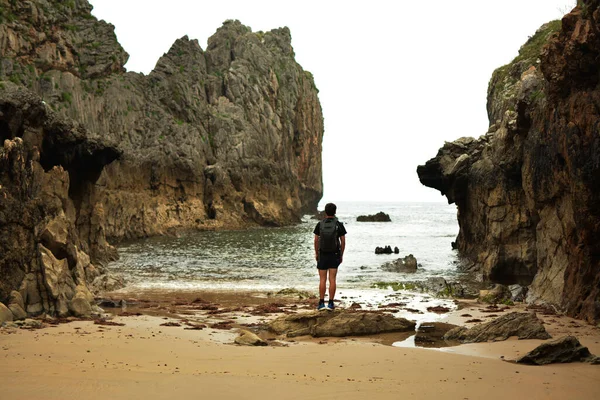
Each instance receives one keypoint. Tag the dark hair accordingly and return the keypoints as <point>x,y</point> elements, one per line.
<point>330,209</point>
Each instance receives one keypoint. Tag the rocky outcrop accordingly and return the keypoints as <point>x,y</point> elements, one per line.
<point>528,191</point>
<point>430,334</point>
<point>406,264</point>
<point>563,350</point>
<point>224,137</point>
<point>386,250</point>
<point>379,217</point>
<point>48,167</point>
<point>338,324</point>
<point>521,325</point>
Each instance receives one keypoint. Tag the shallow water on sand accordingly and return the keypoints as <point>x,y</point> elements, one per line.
<point>277,258</point>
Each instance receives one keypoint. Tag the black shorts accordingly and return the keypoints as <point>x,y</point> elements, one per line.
<point>328,260</point>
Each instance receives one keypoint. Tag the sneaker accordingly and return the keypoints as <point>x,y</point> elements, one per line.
<point>330,305</point>
<point>321,306</point>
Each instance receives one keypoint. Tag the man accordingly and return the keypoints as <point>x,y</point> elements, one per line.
<point>330,243</point>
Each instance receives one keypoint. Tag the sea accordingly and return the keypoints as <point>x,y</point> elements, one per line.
<point>271,259</point>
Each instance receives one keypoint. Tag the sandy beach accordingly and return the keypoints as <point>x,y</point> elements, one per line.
<point>144,359</point>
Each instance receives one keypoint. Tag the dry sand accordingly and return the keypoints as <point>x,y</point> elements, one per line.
<point>143,360</point>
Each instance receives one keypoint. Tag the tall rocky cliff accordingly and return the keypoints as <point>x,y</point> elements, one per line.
<point>528,191</point>
<point>225,137</point>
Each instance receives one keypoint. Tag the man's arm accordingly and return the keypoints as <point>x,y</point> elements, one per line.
<point>316,247</point>
<point>343,244</point>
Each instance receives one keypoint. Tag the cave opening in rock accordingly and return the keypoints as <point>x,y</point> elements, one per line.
<point>5,132</point>
<point>512,271</point>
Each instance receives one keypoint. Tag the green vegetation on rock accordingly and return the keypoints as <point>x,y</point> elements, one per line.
<point>66,97</point>
<point>504,77</point>
<point>396,286</point>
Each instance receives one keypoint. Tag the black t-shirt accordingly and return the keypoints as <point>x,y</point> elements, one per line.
<point>341,231</point>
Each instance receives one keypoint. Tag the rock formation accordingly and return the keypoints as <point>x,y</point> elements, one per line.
<point>563,350</point>
<point>430,334</point>
<point>406,264</point>
<point>224,137</point>
<point>379,217</point>
<point>339,324</point>
<point>48,169</point>
<point>247,338</point>
<point>528,191</point>
<point>386,250</point>
<point>522,325</point>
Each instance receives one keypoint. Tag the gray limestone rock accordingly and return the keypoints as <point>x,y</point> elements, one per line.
<point>406,264</point>
<point>521,325</point>
<point>38,241</point>
<point>518,293</point>
<point>224,137</point>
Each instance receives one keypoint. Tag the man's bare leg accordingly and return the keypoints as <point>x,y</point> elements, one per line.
<point>322,283</point>
<point>332,284</point>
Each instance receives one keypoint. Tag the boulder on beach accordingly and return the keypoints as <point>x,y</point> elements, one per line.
<point>247,338</point>
<point>16,298</point>
<point>406,264</point>
<point>17,312</point>
<point>494,295</point>
<point>522,325</point>
<point>5,314</point>
<point>379,217</point>
<point>339,323</point>
<point>563,350</point>
<point>431,334</point>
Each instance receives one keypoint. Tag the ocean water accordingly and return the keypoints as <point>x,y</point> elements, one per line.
<point>269,259</point>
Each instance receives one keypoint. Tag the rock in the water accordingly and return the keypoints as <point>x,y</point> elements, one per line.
<point>522,325</point>
<point>379,217</point>
<point>383,250</point>
<point>5,314</point>
<point>339,324</point>
<point>396,250</point>
<point>563,350</point>
<point>430,334</point>
<point>17,311</point>
<point>406,264</point>
<point>247,338</point>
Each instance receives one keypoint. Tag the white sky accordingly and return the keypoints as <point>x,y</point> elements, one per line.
<point>396,78</point>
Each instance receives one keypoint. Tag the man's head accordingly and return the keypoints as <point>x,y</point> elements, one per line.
<point>330,209</point>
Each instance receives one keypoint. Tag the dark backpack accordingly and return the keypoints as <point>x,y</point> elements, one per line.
<point>328,238</point>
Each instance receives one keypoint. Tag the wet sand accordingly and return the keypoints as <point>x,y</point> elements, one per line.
<point>143,359</point>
